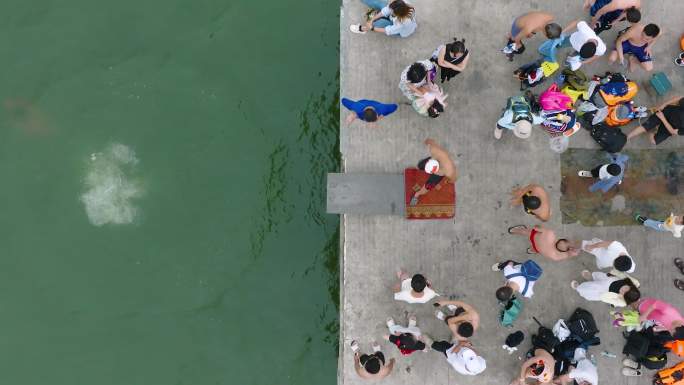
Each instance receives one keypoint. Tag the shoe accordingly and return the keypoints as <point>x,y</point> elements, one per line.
<point>376,346</point>
<point>390,322</point>
<point>639,218</point>
<point>497,133</point>
<point>640,109</point>
<point>412,321</point>
<point>629,372</point>
<point>574,285</point>
<point>440,316</point>
<point>356,28</point>
<point>452,307</point>
<point>681,56</point>
<point>631,364</point>
<point>354,346</point>
<point>414,201</point>
<point>495,267</point>
<point>584,174</point>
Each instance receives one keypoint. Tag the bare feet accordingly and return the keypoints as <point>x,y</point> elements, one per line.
<point>651,137</point>
<point>586,274</point>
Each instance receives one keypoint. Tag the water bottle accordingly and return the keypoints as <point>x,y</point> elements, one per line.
<point>608,354</point>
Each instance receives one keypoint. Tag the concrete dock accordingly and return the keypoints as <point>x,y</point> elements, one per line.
<point>456,255</point>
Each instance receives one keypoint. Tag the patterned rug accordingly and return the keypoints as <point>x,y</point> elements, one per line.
<point>653,186</point>
<point>439,203</point>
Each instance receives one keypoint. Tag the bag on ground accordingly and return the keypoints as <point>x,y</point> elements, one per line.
<point>582,325</point>
<point>510,312</point>
<point>611,139</point>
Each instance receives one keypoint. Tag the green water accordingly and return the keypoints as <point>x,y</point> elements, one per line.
<point>199,134</point>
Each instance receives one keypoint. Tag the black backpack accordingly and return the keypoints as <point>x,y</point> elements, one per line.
<point>582,325</point>
<point>637,345</point>
<point>611,139</point>
<point>544,339</point>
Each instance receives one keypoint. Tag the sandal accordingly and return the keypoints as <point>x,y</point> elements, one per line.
<point>510,229</point>
<point>679,284</point>
<point>356,28</point>
<point>530,251</point>
<point>680,264</point>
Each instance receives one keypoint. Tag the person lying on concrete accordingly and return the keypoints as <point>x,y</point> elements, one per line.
<point>662,314</point>
<point>587,45</point>
<point>464,320</point>
<point>539,368</point>
<point>637,42</point>
<point>366,110</point>
<point>439,165</point>
<point>673,224</point>
<point>606,13</point>
<point>526,26</point>
<point>667,120</point>
<point>544,241</point>
<point>371,366</point>
<point>534,199</point>
<point>417,79</point>
<point>414,289</point>
<point>615,289</point>
<point>610,254</point>
<point>398,18</point>
<point>451,58</point>
<point>582,372</point>
<point>518,117</point>
<point>408,339</point>
<point>461,356</point>
<point>516,281</point>
<point>609,175</point>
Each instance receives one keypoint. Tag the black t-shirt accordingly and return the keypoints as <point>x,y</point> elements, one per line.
<point>406,341</point>
<point>675,115</point>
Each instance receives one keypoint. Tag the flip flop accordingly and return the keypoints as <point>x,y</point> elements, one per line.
<point>680,264</point>
<point>515,227</point>
<point>356,28</point>
<point>414,201</point>
<point>530,251</point>
<point>679,284</point>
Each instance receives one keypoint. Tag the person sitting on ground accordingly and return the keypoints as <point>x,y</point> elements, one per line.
<point>463,322</point>
<point>439,165</point>
<point>539,368</point>
<point>610,254</point>
<point>606,13</point>
<point>417,79</point>
<point>667,120</point>
<point>608,174</point>
<point>544,241</point>
<point>397,18</point>
<point>407,339</point>
<point>516,282</point>
<point>616,289</point>
<point>414,289</point>
<point>673,224</point>
<point>637,42</point>
<point>371,366</point>
<point>534,200</point>
<point>528,25</point>
<point>518,116</point>
<point>432,102</point>
<point>664,315</point>
<point>452,59</point>
<point>582,372</point>
<point>587,45</point>
<point>461,356</point>
<point>366,110</point>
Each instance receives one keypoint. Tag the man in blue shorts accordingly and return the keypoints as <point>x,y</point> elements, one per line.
<point>636,42</point>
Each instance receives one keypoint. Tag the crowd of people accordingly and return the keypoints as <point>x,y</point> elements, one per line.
<point>612,282</point>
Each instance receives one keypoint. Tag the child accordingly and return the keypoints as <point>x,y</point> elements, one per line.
<point>608,175</point>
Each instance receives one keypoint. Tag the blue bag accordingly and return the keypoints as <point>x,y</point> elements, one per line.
<point>531,271</point>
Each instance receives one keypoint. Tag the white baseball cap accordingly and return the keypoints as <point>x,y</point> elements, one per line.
<point>431,166</point>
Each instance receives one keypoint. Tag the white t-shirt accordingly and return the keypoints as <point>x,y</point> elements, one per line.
<point>670,226</point>
<point>603,172</point>
<point>583,34</point>
<point>405,293</point>
<point>465,361</point>
<point>519,280</point>
<point>585,370</point>
<point>605,256</point>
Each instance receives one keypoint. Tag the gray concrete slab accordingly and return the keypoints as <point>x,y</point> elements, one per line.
<point>456,254</point>
<point>366,194</point>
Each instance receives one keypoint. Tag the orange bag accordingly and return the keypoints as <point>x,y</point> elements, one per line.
<point>671,376</point>
<point>676,347</point>
<point>681,43</point>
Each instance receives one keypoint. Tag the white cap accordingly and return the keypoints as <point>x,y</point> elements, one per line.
<point>522,129</point>
<point>431,166</point>
<point>465,361</point>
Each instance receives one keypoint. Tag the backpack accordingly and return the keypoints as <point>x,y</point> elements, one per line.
<point>636,346</point>
<point>578,80</point>
<point>522,110</point>
<point>676,347</point>
<point>582,325</point>
<point>544,339</point>
<point>531,271</point>
<point>510,312</point>
<point>611,139</point>
<point>530,75</point>
<point>554,100</point>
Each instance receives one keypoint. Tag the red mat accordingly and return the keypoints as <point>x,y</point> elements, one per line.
<point>439,203</point>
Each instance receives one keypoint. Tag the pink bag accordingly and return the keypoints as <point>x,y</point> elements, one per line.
<point>554,100</point>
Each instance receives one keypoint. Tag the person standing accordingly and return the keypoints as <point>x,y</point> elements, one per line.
<point>673,224</point>
<point>611,254</point>
<point>637,42</point>
<point>606,13</point>
<point>452,59</point>
<point>371,366</point>
<point>667,120</point>
<point>526,26</point>
<point>587,45</point>
<point>461,356</point>
<point>367,110</point>
<point>608,174</point>
<point>463,322</point>
<point>439,165</point>
<point>397,18</point>
<point>534,199</point>
<point>618,290</point>
<point>414,289</point>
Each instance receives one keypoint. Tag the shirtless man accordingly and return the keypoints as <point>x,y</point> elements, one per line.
<point>371,366</point>
<point>439,165</point>
<point>463,323</point>
<point>534,200</point>
<point>605,13</point>
<point>636,42</point>
<point>543,241</point>
<point>540,368</point>
<point>528,25</point>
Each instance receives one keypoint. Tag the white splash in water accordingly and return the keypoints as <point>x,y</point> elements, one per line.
<point>109,189</point>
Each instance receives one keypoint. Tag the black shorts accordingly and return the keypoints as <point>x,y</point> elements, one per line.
<point>365,357</point>
<point>442,346</point>
<point>433,181</point>
<point>653,123</point>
